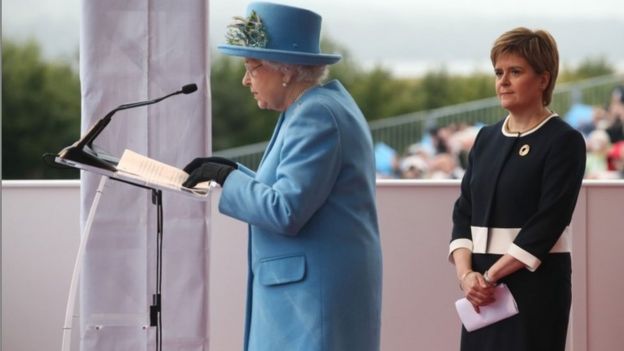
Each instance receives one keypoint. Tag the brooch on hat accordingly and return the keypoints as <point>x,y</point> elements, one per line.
<point>247,32</point>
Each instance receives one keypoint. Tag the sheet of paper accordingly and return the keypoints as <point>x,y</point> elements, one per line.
<point>504,307</point>
<point>151,170</point>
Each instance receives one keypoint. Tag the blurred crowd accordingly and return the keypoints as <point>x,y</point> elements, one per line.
<point>443,152</point>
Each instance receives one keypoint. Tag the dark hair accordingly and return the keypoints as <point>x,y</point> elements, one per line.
<point>537,47</point>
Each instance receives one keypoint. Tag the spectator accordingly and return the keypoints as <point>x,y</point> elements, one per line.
<point>616,114</point>
<point>615,159</point>
<point>598,146</point>
<point>461,142</point>
<point>444,166</point>
<point>439,139</point>
<point>414,167</point>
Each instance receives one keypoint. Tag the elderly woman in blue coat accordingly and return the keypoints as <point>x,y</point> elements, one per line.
<point>314,250</point>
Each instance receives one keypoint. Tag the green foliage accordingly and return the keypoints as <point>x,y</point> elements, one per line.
<point>40,111</point>
<point>588,68</point>
<point>441,89</point>
<point>372,91</point>
<point>347,70</point>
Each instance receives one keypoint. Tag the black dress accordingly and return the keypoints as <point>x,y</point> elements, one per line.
<point>525,184</point>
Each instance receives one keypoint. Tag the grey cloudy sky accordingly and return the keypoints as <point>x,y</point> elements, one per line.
<point>408,36</point>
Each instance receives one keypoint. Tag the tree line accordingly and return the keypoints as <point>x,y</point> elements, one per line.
<point>41,101</point>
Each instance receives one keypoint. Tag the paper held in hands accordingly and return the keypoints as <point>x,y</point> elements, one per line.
<point>155,172</point>
<point>503,307</point>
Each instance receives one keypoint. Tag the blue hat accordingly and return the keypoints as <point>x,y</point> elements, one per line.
<point>278,33</point>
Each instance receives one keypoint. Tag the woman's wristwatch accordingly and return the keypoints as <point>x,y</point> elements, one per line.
<point>486,277</point>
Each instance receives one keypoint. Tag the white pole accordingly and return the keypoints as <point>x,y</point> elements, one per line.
<point>73,288</point>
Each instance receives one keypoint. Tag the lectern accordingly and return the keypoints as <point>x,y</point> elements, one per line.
<point>84,155</point>
<point>156,188</point>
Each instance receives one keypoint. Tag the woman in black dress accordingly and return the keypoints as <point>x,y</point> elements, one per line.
<point>510,223</point>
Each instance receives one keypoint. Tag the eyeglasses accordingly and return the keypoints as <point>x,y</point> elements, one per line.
<point>252,70</point>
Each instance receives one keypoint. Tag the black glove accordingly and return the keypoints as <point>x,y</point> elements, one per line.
<point>208,171</point>
<point>193,165</point>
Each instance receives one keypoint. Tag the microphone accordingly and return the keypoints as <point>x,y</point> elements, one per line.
<point>82,151</point>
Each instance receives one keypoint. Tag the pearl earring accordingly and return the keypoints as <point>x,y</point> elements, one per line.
<point>284,84</point>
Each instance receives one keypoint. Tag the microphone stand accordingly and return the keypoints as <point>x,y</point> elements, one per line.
<point>82,151</point>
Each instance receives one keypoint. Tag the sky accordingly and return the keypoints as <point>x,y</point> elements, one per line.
<point>405,36</point>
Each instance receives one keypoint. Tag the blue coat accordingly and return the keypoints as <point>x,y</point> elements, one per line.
<point>314,251</point>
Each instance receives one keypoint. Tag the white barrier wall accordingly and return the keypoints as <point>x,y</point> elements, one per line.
<point>40,236</point>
